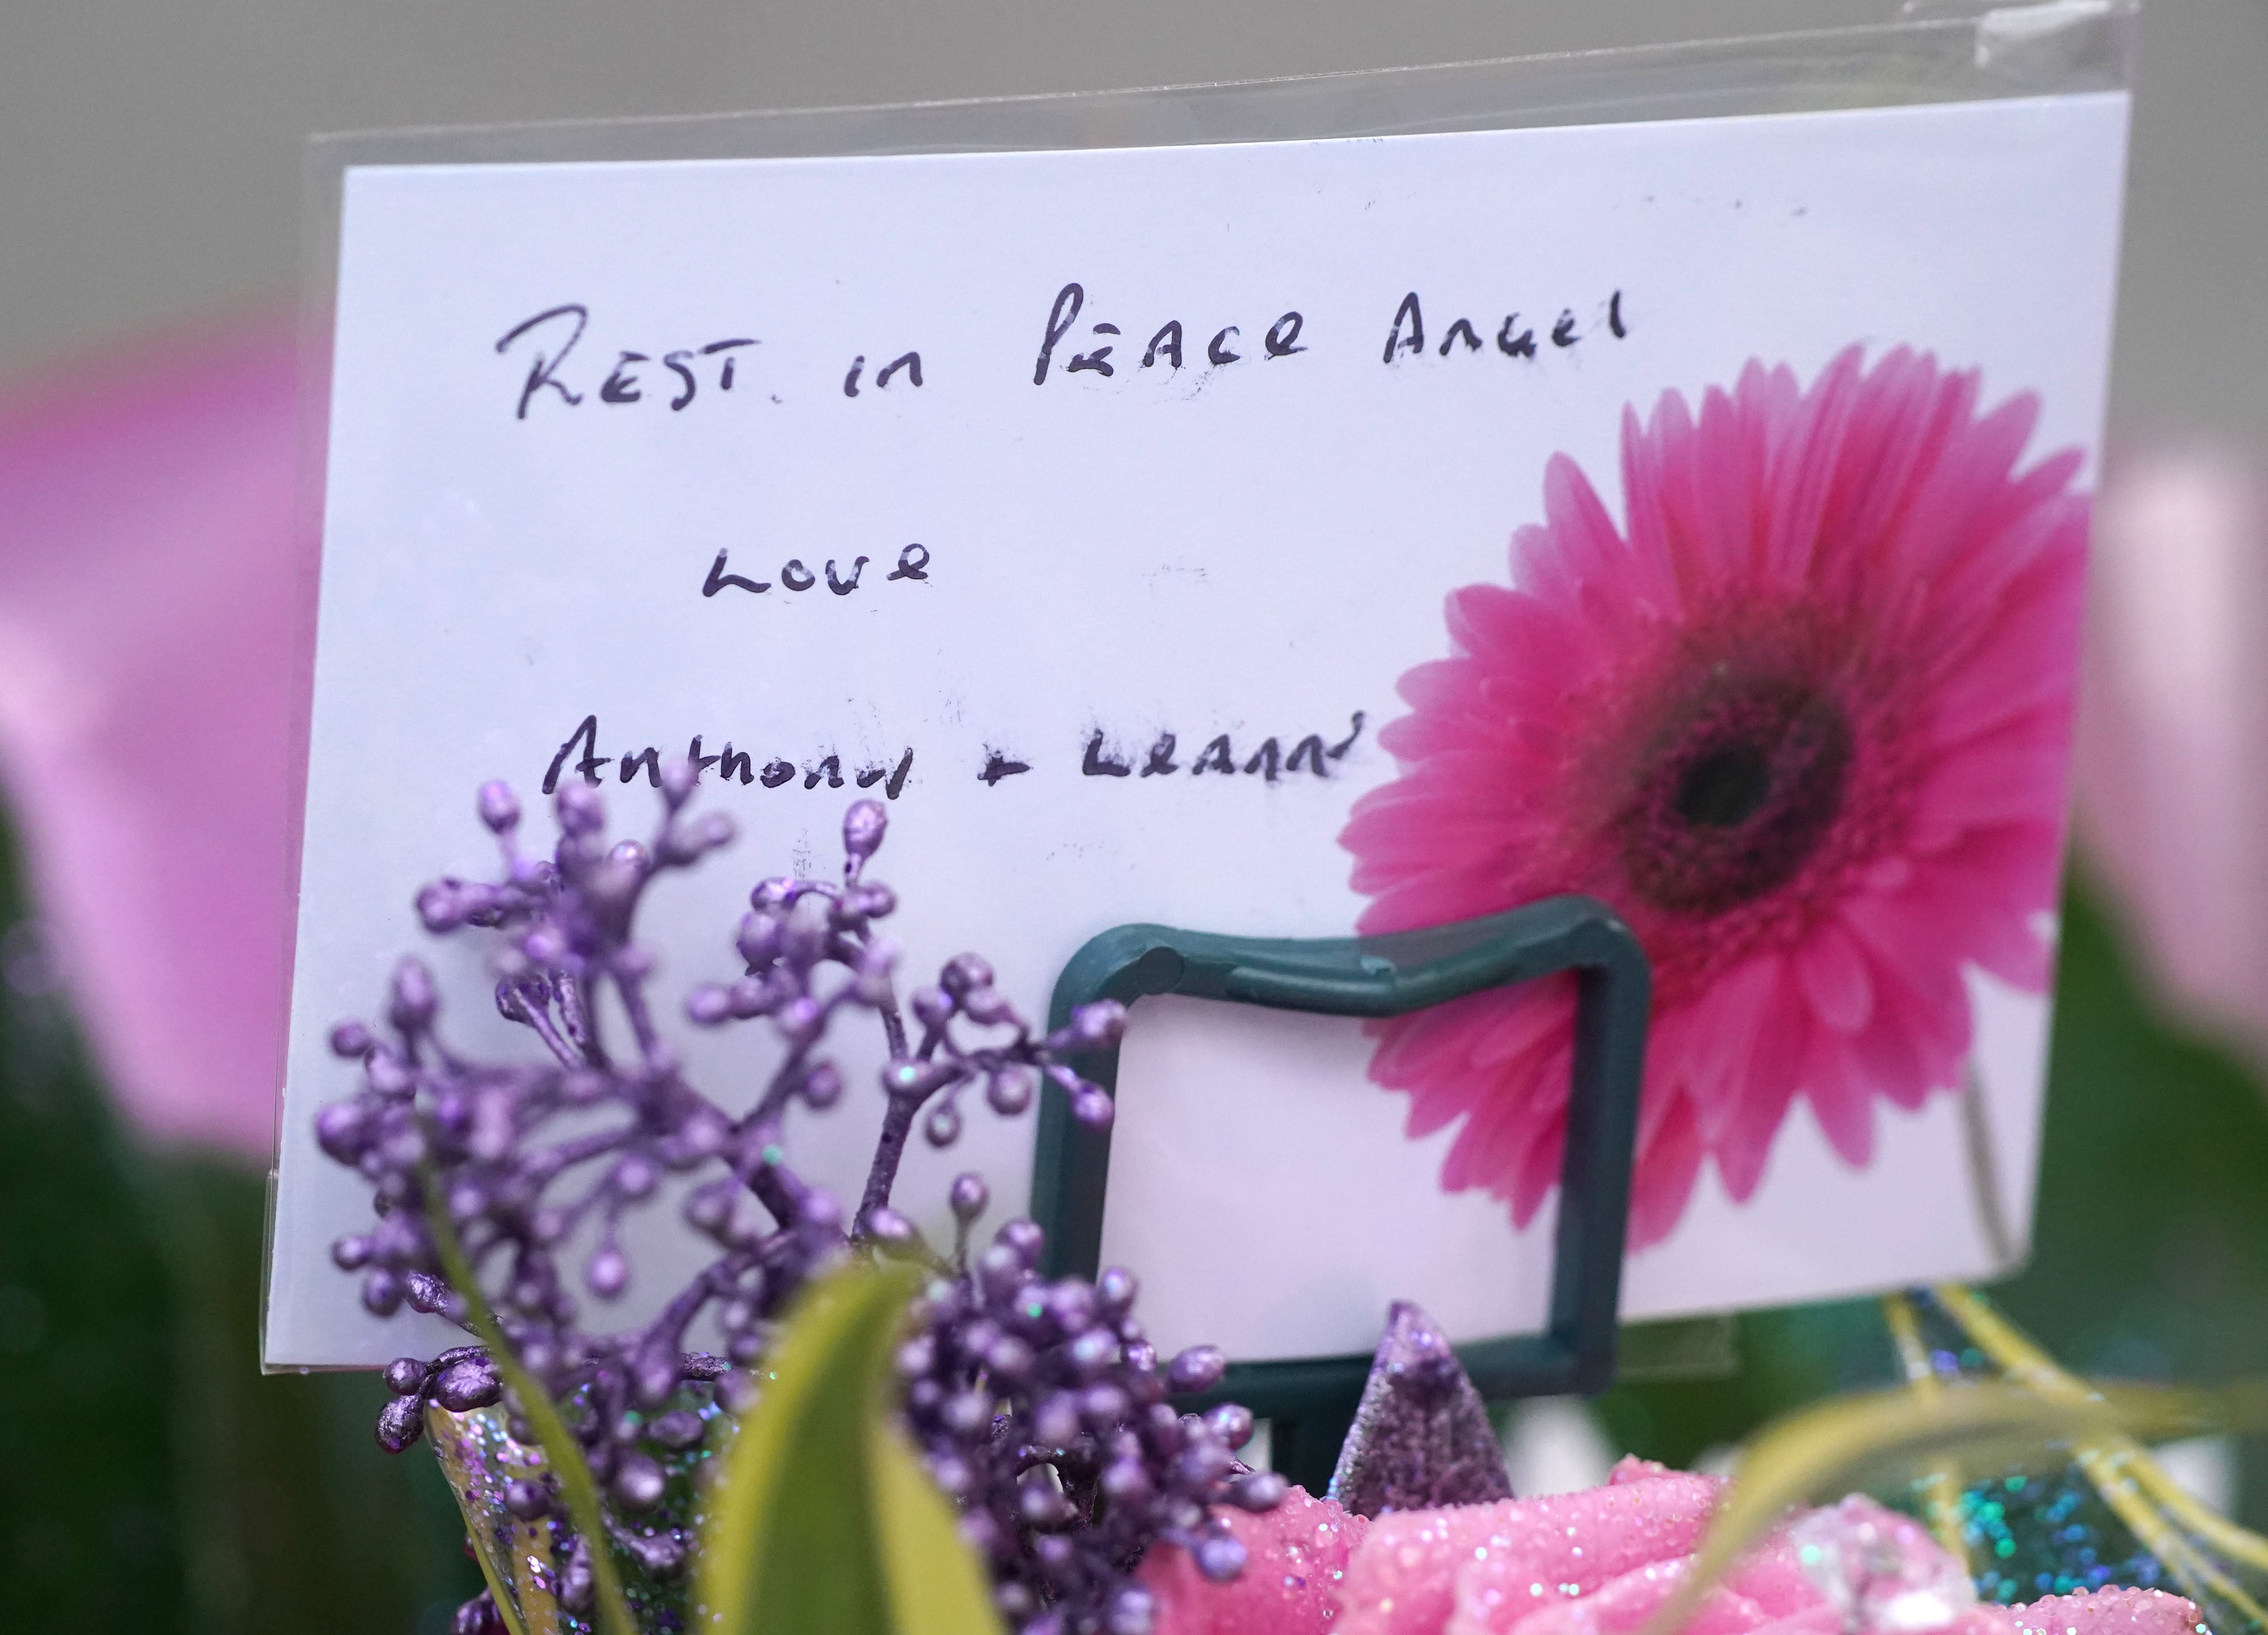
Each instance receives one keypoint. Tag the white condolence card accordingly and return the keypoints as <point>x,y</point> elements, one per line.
<point>1272,538</point>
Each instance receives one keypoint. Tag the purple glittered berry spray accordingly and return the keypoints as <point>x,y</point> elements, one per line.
<point>1039,1406</point>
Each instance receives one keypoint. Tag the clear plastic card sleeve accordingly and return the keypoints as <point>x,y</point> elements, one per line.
<point>2060,49</point>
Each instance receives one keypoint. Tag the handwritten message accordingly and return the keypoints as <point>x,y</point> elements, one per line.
<point>547,342</point>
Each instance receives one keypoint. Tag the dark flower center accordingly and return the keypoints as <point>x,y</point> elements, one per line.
<point>1734,795</point>
<point>1724,788</point>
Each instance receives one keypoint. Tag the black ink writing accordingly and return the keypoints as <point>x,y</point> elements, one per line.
<point>719,580</point>
<point>1411,313</point>
<point>1405,336</point>
<point>1311,757</point>
<point>891,778</point>
<point>998,765</point>
<point>725,374</point>
<point>1064,314</point>
<point>1097,765</point>
<point>1215,757</point>
<point>549,350</point>
<point>913,564</point>
<point>544,370</point>
<point>622,385</point>
<point>1165,346</point>
<point>1266,761</point>
<point>1096,359</point>
<point>548,338</point>
<point>908,364</point>
<point>587,735</point>
<point>732,765</point>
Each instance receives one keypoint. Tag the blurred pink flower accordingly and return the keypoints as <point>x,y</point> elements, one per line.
<point>2173,737</point>
<point>1805,726</point>
<point>147,607</point>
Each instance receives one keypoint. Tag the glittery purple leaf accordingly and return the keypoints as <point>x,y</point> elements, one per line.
<point>1421,1438</point>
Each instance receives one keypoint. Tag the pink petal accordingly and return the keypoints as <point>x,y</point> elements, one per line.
<point>1806,471</point>
<point>1990,783</point>
<point>1630,1468</point>
<point>2103,1612</point>
<point>1619,1607</point>
<point>1488,620</point>
<point>1895,435</point>
<point>1918,988</point>
<point>1716,1065</point>
<point>1730,470</point>
<point>1579,526</point>
<point>1401,1583</point>
<point>2026,665</point>
<point>1837,1085</point>
<point>1745,1148</point>
<point>1493,1149</point>
<point>1819,1620</point>
<point>1833,975</point>
<point>1662,1183</point>
<point>1296,1557</point>
<point>1653,584</point>
<point>1774,1578</point>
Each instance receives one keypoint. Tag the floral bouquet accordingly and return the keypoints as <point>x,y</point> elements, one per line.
<point>897,1435</point>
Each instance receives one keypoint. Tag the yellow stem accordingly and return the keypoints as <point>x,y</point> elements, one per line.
<point>1941,1485</point>
<point>2119,1468</point>
<point>535,1405</point>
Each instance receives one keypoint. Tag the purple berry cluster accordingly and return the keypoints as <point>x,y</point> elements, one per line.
<point>1042,1409</point>
<point>1040,1406</point>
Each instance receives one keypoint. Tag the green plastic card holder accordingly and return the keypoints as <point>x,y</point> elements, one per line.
<point>1310,1400</point>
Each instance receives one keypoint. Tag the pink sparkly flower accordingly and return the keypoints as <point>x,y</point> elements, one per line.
<point>1295,1562</point>
<point>1804,723</point>
<point>1604,1562</point>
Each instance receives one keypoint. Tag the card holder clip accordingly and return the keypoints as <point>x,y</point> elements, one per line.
<point>1310,1400</point>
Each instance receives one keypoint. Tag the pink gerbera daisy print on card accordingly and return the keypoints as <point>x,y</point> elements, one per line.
<point>1803,720</point>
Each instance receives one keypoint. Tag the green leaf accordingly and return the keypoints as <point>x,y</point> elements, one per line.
<point>936,1584</point>
<point>824,1519</point>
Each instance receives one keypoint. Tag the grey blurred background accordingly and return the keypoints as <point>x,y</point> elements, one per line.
<point>150,152</point>
<point>150,161</point>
